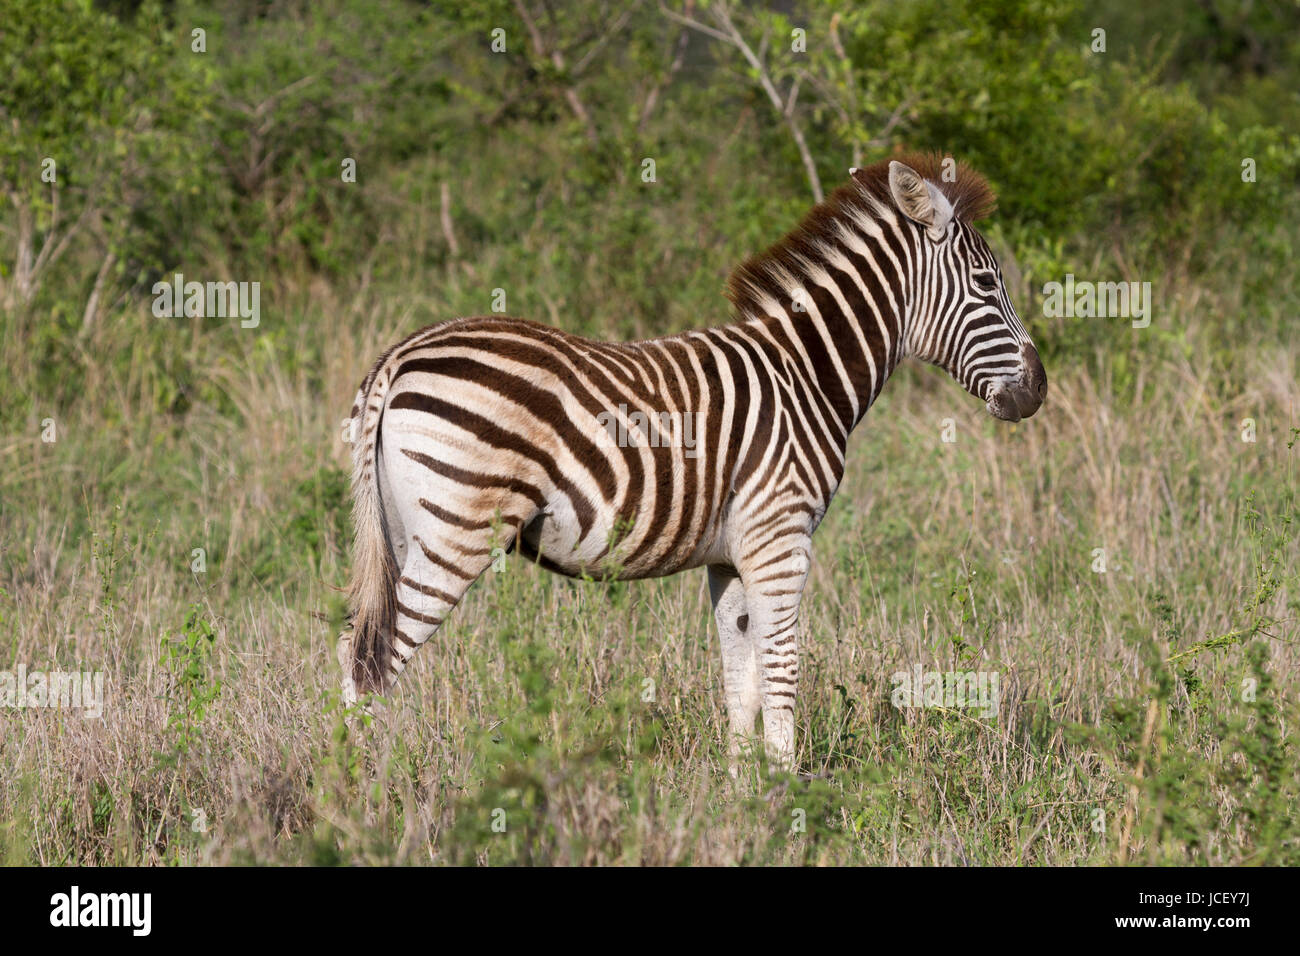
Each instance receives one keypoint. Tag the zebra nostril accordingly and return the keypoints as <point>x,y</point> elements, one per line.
<point>1033,375</point>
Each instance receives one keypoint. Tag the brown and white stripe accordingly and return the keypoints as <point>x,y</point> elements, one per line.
<point>491,432</point>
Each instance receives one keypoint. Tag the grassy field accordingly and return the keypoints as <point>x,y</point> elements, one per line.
<point>223,741</point>
<point>173,491</point>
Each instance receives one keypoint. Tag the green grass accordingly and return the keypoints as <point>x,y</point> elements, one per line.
<point>187,534</point>
<point>586,717</point>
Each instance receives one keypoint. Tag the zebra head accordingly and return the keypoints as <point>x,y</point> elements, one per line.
<point>962,318</point>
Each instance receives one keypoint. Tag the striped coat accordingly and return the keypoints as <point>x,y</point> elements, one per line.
<point>719,448</point>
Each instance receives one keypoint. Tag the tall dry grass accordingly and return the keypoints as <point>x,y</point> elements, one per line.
<point>587,717</point>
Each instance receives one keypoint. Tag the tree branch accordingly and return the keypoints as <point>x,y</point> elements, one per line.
<point>576,105</point>
<point>728,33</point>
<point>652,98</point>
<point>595,48</point>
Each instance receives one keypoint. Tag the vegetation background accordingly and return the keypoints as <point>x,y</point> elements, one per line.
<point>186,532</point>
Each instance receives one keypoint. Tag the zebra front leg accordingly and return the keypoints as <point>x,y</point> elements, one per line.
<point>774,580</point>
<point>740,684</point>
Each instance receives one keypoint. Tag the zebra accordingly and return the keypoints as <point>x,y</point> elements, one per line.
<point>490,429</point>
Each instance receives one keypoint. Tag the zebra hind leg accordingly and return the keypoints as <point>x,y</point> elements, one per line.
<point>440,557</point>
<point>740,676</point>
<point>429,586</point>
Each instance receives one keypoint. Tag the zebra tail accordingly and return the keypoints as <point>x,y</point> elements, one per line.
<point>373,587</point>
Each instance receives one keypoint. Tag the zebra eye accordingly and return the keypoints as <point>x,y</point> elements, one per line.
<point>986,281</point>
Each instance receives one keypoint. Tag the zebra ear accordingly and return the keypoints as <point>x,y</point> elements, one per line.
<point>919,199</point>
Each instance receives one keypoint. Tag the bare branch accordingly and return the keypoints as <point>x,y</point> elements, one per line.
<point>595,48</point>
<point>92,304</point>
<point>445,216</point>
<point>652,98</point>
<point>53,249</point>
<point>881,139</point>
<point>835,38</point>
<point>792,98</point>
<point>728,33</point>
<point>694,24</point>
<point>576,105</point>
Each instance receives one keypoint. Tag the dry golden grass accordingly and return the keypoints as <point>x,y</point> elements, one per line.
<point>534,701</point>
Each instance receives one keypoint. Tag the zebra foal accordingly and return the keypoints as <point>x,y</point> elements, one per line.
<point>482,424</point>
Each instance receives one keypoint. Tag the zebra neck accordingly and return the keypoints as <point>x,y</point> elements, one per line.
<point>844,355</point>
<point>840,290</point>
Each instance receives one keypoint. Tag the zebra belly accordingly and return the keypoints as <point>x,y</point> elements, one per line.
<point>555,541</point>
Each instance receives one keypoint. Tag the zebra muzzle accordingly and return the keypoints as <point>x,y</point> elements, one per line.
<point>1012,401</point>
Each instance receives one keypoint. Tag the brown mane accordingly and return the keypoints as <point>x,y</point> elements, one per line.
<point>970,194</point>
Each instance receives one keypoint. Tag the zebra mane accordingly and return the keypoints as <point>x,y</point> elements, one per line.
<point>766,276</point>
